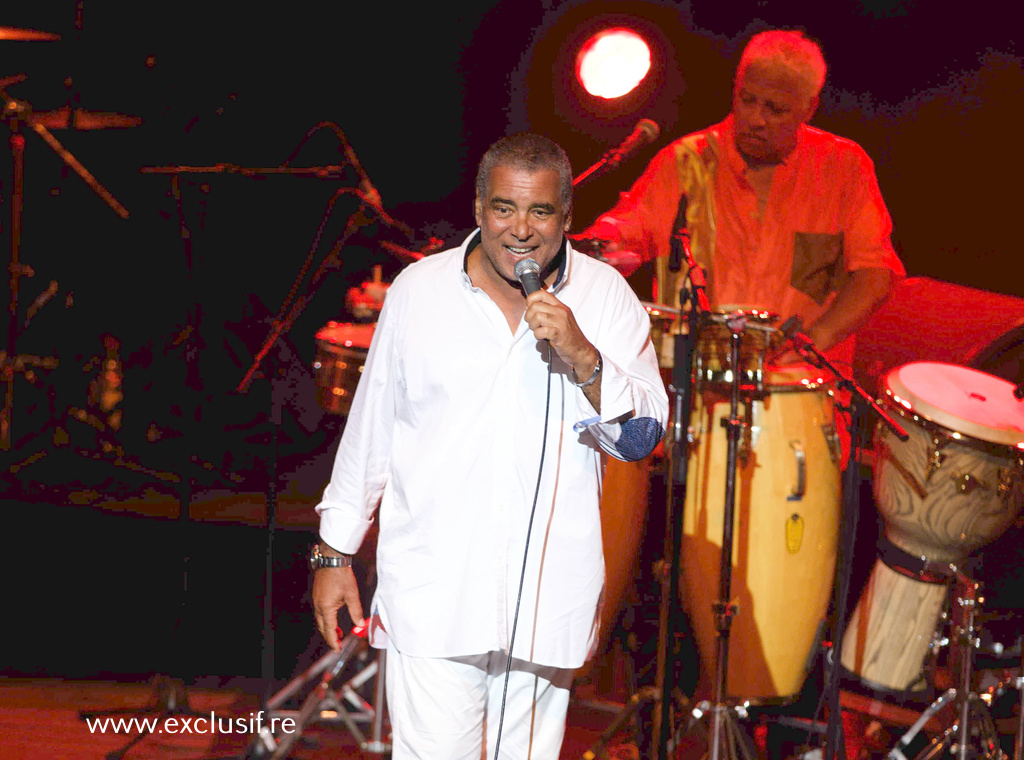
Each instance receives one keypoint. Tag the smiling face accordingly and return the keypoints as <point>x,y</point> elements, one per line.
<point>522,216</point>
<point>769,104</point>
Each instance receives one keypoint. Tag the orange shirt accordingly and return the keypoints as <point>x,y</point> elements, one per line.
<point>824,216</point>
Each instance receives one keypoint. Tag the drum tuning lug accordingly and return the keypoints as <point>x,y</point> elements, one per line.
<point>968,484</point>
<point>724,613</point>
<point>1006,480</point>
<point>833,445</point>
<point>936,459</point>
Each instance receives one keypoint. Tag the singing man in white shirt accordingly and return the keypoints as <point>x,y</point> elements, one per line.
<point>476,435</point>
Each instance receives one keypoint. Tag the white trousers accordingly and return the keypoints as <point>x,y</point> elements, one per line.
<point>441,709</point>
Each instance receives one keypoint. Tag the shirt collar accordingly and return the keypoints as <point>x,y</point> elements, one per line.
<point>564,268</point>
<point>735,160</point>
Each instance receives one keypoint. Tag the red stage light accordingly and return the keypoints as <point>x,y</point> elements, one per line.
<point>613,62</point>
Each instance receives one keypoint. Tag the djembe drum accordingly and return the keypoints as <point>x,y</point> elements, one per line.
<point>951,488</point>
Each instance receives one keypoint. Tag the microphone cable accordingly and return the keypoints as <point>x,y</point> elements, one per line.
<point>526,552</point>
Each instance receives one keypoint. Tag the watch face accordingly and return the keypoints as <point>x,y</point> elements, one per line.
<point>314,558</point>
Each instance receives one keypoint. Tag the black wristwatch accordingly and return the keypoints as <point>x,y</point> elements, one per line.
<point>318,560</point>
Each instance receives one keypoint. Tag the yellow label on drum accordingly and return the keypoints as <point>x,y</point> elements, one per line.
<point>794,533</point>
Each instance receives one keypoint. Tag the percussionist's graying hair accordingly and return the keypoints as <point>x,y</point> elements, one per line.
<point>790,50</point>
<point>528,152</point>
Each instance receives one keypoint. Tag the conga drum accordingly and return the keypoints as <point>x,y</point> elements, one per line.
<point>624,504</point>
<point>341,350</point>
<point>951,488</point>
<point>786,519</point>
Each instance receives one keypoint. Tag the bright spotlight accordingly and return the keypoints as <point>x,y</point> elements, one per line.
<point>613,62</point>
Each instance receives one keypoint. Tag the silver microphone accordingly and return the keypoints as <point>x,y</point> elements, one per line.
<point>527,271</point>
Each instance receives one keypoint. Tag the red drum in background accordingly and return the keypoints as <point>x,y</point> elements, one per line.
<point>341,350</point>
<point>952,487</point>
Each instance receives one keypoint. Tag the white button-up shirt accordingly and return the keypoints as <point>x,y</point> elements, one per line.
<point>445,434</point>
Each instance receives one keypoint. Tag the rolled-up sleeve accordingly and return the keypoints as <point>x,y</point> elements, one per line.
<point>634,405</point>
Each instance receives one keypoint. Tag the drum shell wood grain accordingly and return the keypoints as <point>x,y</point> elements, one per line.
<point>946,512</point>
<point>784,551</point>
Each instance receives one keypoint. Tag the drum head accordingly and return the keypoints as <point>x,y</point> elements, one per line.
<point>962,399</point>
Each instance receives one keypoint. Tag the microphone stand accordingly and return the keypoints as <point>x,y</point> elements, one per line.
<point>860,401</point>
<point>646,131</point>
<point>290,310</point>
<point>681,388</point>
<point>724,735</point>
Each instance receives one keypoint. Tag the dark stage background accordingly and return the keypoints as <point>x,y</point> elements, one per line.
<point>420,90</point>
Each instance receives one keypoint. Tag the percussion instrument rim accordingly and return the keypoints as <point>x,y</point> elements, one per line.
<point>355,335</point>
<point>961,427</point>
<point>767,387</point>
<point>955,436</point>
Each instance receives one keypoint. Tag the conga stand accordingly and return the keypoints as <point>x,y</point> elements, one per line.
<point>860,400</point>
<point>725,737</point>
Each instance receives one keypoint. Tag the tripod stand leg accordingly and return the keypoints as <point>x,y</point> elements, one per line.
<point>636,700</point>
<point>738,739</point>
<point>939,745</point>
<point>293,686</point>
<point>896,753</point>
<point>270,744</point>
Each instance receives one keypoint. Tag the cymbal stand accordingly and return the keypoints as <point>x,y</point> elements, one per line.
<point>958,736</point>
<point>725,737</point>
<point>16,113</point>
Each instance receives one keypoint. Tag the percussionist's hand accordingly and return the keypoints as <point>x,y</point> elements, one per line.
<point>334,588</point>
<point>552,320</point>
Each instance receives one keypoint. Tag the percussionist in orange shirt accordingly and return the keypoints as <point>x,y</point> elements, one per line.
<point>782,216</point>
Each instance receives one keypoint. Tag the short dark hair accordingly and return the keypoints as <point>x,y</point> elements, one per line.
<point>528,152</point>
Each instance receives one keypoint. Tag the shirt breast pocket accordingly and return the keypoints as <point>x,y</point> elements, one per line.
<point>818,264</point>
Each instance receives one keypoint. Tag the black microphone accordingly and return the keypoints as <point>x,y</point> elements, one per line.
<point>792,326</point>
<point>527,271</point>
<point>793,329</point>
<point>645,131</point>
